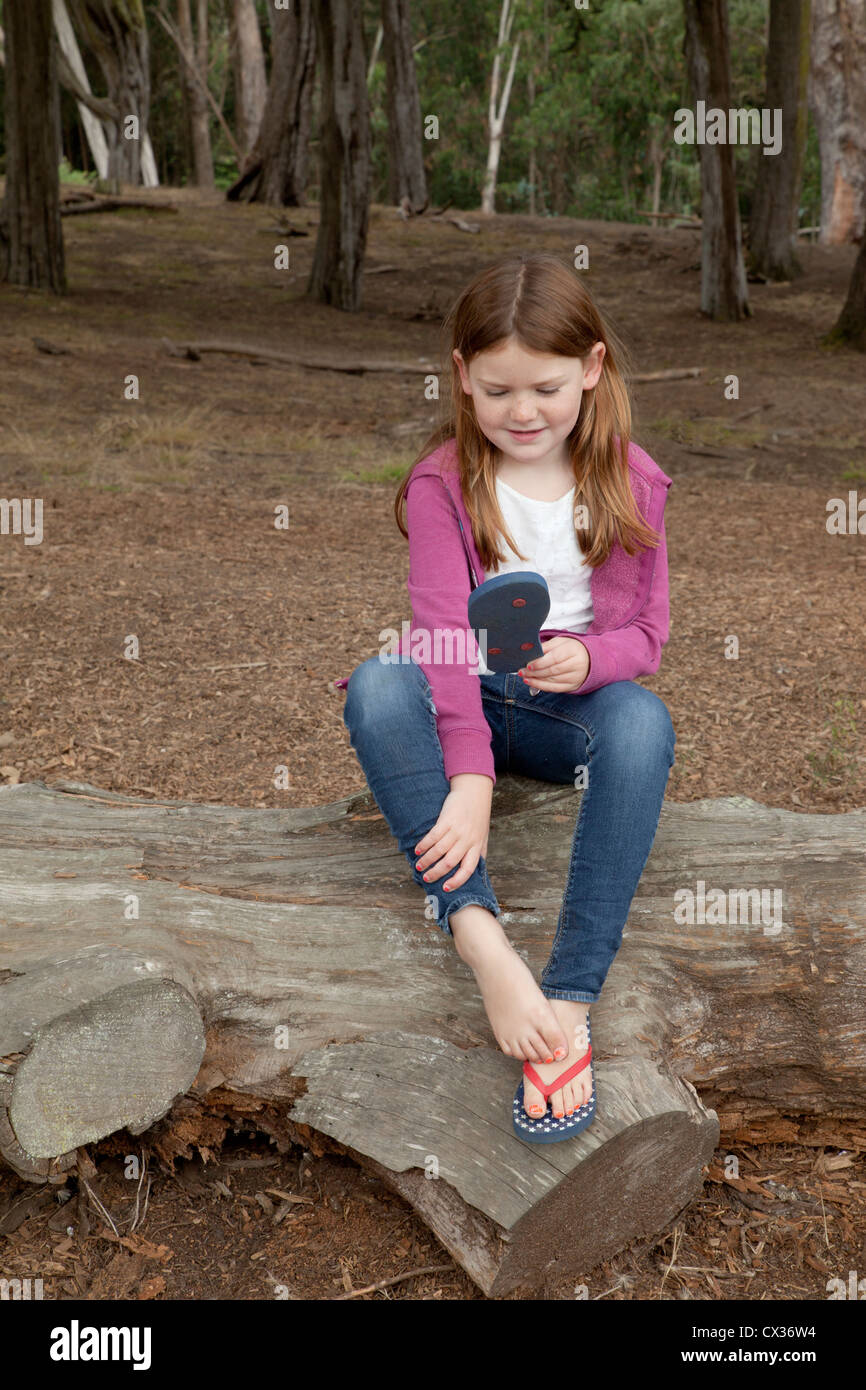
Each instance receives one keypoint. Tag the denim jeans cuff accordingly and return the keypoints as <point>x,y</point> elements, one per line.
<point>463,901</point>
<point>576,996</point>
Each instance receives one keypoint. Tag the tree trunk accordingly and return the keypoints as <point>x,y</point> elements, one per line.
<point>850,327</point>
<point>344,144</point>
<point>774,217</point>
<point>275,171</point>
<point>496,115</point>
<point>70,55</point>
<point>838,102</point>
<point>153,948</point>
<point>248,62</point>
<point>31,239</point>
<point>406,177</point>
<point>723,277</point>
<point>116,34</point>
<point>193,79</point>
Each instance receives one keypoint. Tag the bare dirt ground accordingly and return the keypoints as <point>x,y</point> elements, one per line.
<point>159,524</point>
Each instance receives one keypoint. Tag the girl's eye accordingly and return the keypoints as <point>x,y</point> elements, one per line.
<point>542,391</point>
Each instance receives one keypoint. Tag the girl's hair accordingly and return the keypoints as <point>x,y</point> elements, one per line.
<point>541,302</point>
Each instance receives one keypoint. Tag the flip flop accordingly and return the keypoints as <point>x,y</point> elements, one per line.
<point>547,1129</point>
<point>510,608</point>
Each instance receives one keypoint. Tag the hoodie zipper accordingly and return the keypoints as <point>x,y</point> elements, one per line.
<point>463,535</point>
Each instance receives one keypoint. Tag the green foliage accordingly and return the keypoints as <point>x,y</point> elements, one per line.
<point>593,100</point>
<point>594,95</point>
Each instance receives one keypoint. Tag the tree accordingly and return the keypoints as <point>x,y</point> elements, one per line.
<point>406,177</point>
<point>850,327</point>
<point>496,115</point>
<point>248,61</point>
<point>275,171</point>
<point>31,238</point>
<point>94,111</point>
<point>116,34</point>
<point>838,101</point>
<point>774,218</point>
<point>194,65</point>
<point>344,144</point>
<point>723,276</point>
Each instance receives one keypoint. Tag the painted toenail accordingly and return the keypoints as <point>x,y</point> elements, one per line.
<point>560,1052</point>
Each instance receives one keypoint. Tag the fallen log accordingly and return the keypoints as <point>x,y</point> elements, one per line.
<point>110,203</point>
<point>193,352</point>
<point>156,949</point>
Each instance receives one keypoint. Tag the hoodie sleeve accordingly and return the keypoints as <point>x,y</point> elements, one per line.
<point>635,650</point>
<point>439,586</point>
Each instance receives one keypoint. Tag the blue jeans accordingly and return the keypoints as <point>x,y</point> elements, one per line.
<point>622,734</point>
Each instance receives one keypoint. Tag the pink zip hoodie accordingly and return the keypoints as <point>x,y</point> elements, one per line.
<point>630,601</point>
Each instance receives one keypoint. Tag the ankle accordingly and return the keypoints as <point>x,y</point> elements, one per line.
<point>475,930</point>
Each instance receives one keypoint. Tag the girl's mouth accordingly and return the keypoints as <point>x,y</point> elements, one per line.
<point>526,434</point>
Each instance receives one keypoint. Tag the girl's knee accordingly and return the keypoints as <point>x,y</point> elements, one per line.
<point>381,690</point>
<point>645,722</point>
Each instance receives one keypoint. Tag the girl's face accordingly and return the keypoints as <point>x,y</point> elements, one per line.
<point>527,402</point>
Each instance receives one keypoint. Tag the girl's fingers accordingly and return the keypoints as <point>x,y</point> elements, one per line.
<point>448,862</point>
<point>431,864</point>
<point>466,869</point>
<point>434,841</point>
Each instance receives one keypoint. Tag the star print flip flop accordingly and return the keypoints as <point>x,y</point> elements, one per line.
<point>547,1129</point>
<point>510,609</point>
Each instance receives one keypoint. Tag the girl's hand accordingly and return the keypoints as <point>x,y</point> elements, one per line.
<point>564,666</point>
<point>459,837</point>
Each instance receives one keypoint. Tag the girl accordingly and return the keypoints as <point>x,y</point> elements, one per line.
<point>534,470</point>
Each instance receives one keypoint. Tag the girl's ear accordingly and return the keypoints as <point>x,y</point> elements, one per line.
<point>461,367</point>
<point>592,365</point>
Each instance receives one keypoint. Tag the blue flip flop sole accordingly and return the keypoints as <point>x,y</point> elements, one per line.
<point>510,609</point>
<point>548,1129</point>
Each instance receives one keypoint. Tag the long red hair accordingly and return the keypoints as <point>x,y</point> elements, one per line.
<point>537,299</point>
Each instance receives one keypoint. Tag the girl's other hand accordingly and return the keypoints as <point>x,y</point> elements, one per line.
<point>459,837</point>
<point>564,666</point>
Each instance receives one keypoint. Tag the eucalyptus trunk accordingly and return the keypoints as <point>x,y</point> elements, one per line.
<point>31,237</point>
<point>775,211</point>
<point>344,144</point>
<point>723,277</point>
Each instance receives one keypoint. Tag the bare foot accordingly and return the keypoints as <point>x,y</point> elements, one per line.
<point>524,1023</point>
<point>572,1016</point>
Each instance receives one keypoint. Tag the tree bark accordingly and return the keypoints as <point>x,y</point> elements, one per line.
<point>248,61</point>
<point>496,114</point>
<point>70,65</point>
<point>406,176</point>
<point>116,34</point>
<point>774,217</point>
<point>275,171</point>
<point>838,102</point>
<point>31,238</point>
<point>193,74</point>
<point>156,948</point>
<point>850,327</point>
<point>724,294</point>
<point>344,144</point>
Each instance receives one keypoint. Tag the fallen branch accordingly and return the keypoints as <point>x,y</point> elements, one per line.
<point>94,203</point>
<point>319,364</point>
<point>670,374</point>
<point>458,222</point>
<point>397,1279</point>
<point>193,351</point>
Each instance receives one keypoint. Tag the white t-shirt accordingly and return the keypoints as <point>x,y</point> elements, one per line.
<point>545,532</point>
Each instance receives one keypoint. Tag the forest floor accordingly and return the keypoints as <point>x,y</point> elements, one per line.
<point>159,522</point>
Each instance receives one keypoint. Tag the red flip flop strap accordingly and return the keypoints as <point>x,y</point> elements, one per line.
<point>547,1089</point>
